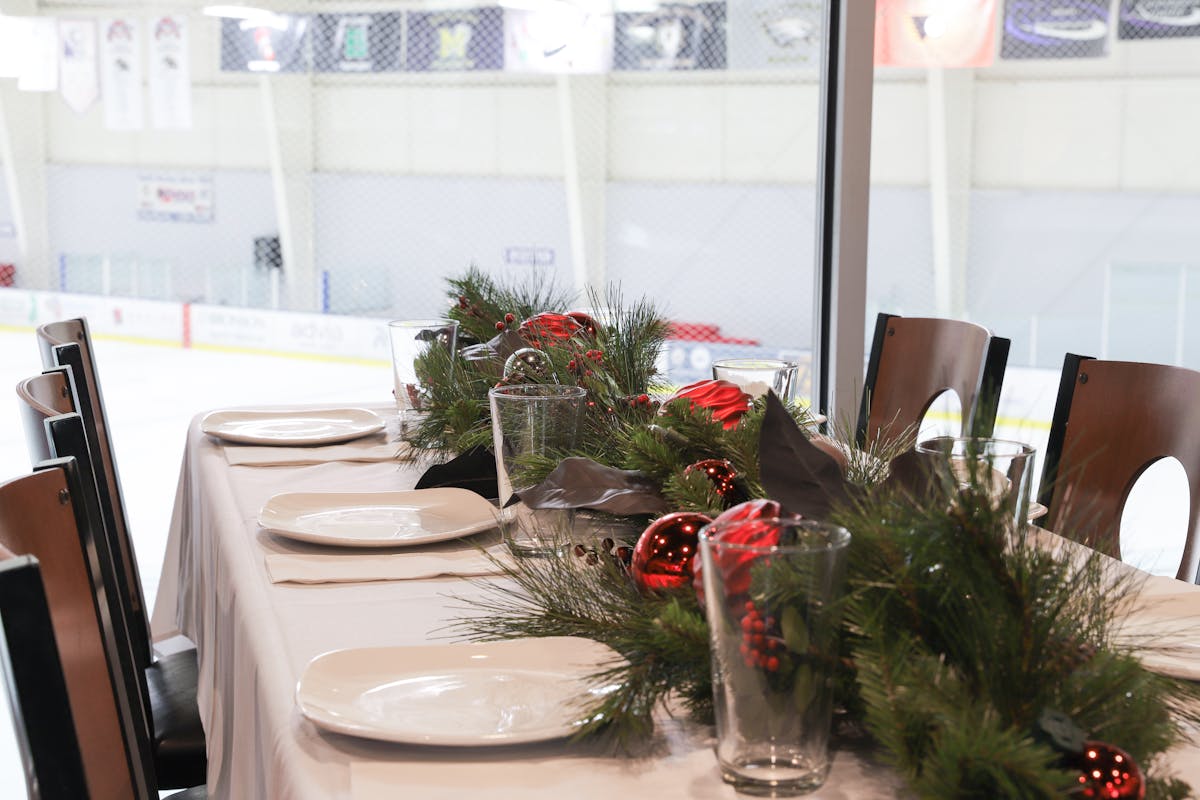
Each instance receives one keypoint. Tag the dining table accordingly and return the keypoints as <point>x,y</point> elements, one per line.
<point>260,607</point>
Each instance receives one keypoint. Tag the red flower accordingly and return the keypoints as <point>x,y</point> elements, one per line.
<point>754,523</point>
<point>726,401</point>
<point>549,327</point>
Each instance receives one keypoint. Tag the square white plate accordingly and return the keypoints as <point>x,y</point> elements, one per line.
<point>458,695</point>
<point>291,427</point>
<point>378,519</point>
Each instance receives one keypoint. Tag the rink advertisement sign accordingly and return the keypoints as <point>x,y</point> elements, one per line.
<point>175,199</point>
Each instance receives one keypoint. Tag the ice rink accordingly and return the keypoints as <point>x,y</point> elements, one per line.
<point>152,392</point>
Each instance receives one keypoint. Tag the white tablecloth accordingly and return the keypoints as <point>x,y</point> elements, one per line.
<point>255,639</point>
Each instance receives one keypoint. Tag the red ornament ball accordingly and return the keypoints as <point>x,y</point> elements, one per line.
<point>720,472</point>
<point>662,558</point>
<point>1107,773</point>
<point>547,329</point>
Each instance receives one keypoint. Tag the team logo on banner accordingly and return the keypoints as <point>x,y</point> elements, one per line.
<point>918,34</point>
<point>674,37</point>
<point>768,34</point>
<point>1055,29</point>
<point>357,42</point>
<point>1159,19</point>
<point>467,40</point>
<point>267,43</point>
<point>78,75</point>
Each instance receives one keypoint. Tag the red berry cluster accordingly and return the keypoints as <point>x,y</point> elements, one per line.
<point>503,324</point>
<point>640,400</point>
<point>761,644</point>
<point>579,366</point>
<point>471,308</point>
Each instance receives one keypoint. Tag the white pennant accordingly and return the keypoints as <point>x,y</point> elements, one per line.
<point>78,79</point>
<point>170,73</point>
<point>121,73</point>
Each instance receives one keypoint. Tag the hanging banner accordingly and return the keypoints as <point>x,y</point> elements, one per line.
<point>13,35</point>
<point>121,73</point>
<point>1055,29</point>
<point>78,78</point>
<point>1158,19</point>
<point>358,42</point>
<point>170,73</point>
<point>39,56</point>
<point>915,33</point>
<point>266,43</point>
<point>672,37</point>
<point>768,34</point>
<point>470,39</point>
<point>558,38</point>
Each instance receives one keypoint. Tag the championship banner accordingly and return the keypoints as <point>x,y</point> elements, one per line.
<point>1158,19</point>
<point>771,34</point>
<point>358,42</point>
<point>558,39</point>
<point>170,73</point>
<point>121,73</point>
<point>265,43</point>
<point>672,37</point>
<point>1055,29</point>
<point>39,56</point>
<point>78,74</point>
<point>915,33</point>
<point>470,39</point>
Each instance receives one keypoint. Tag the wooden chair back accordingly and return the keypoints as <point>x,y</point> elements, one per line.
<point>914,360</point>
<point>41,397</point>
<point>40,516</point>
<point>1112,420</point>
<point>68,343</point>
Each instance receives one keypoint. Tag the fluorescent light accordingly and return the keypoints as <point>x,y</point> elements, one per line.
<point>236,12</point>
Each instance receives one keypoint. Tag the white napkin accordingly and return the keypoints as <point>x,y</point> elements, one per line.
<point>341,568</point>
<point>373,448</point>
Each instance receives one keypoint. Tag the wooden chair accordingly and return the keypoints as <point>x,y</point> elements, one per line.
<point>39,516</point>
<point>1112,420</point>
<point>168,683</point>
<point>64,658</point>
<point>913,360</point>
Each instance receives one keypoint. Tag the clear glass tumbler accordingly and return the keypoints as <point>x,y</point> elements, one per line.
<point>771,590</point>
<point>757,375</point>
<point>999,469</point>
<point>532,422</point>
<point>413,340</point>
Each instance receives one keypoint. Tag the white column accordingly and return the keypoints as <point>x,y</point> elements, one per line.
<point>583,121</point>
<point>951,112</point>
<point>288,121</point>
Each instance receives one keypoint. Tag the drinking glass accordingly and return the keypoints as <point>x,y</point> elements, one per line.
<point>771,592</point>
<point>412,340</point>
<point>532,421</point>
<point>972,469</point>
<point>756,375</point>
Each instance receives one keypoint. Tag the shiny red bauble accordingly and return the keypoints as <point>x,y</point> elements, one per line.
<point>662,558</point>
<point>549,328</point>
<point>1107,773</point>
<point>718,471</point>
<point>724,400</point>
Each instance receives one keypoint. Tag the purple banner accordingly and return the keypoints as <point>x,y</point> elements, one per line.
<point>1055,29</point>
